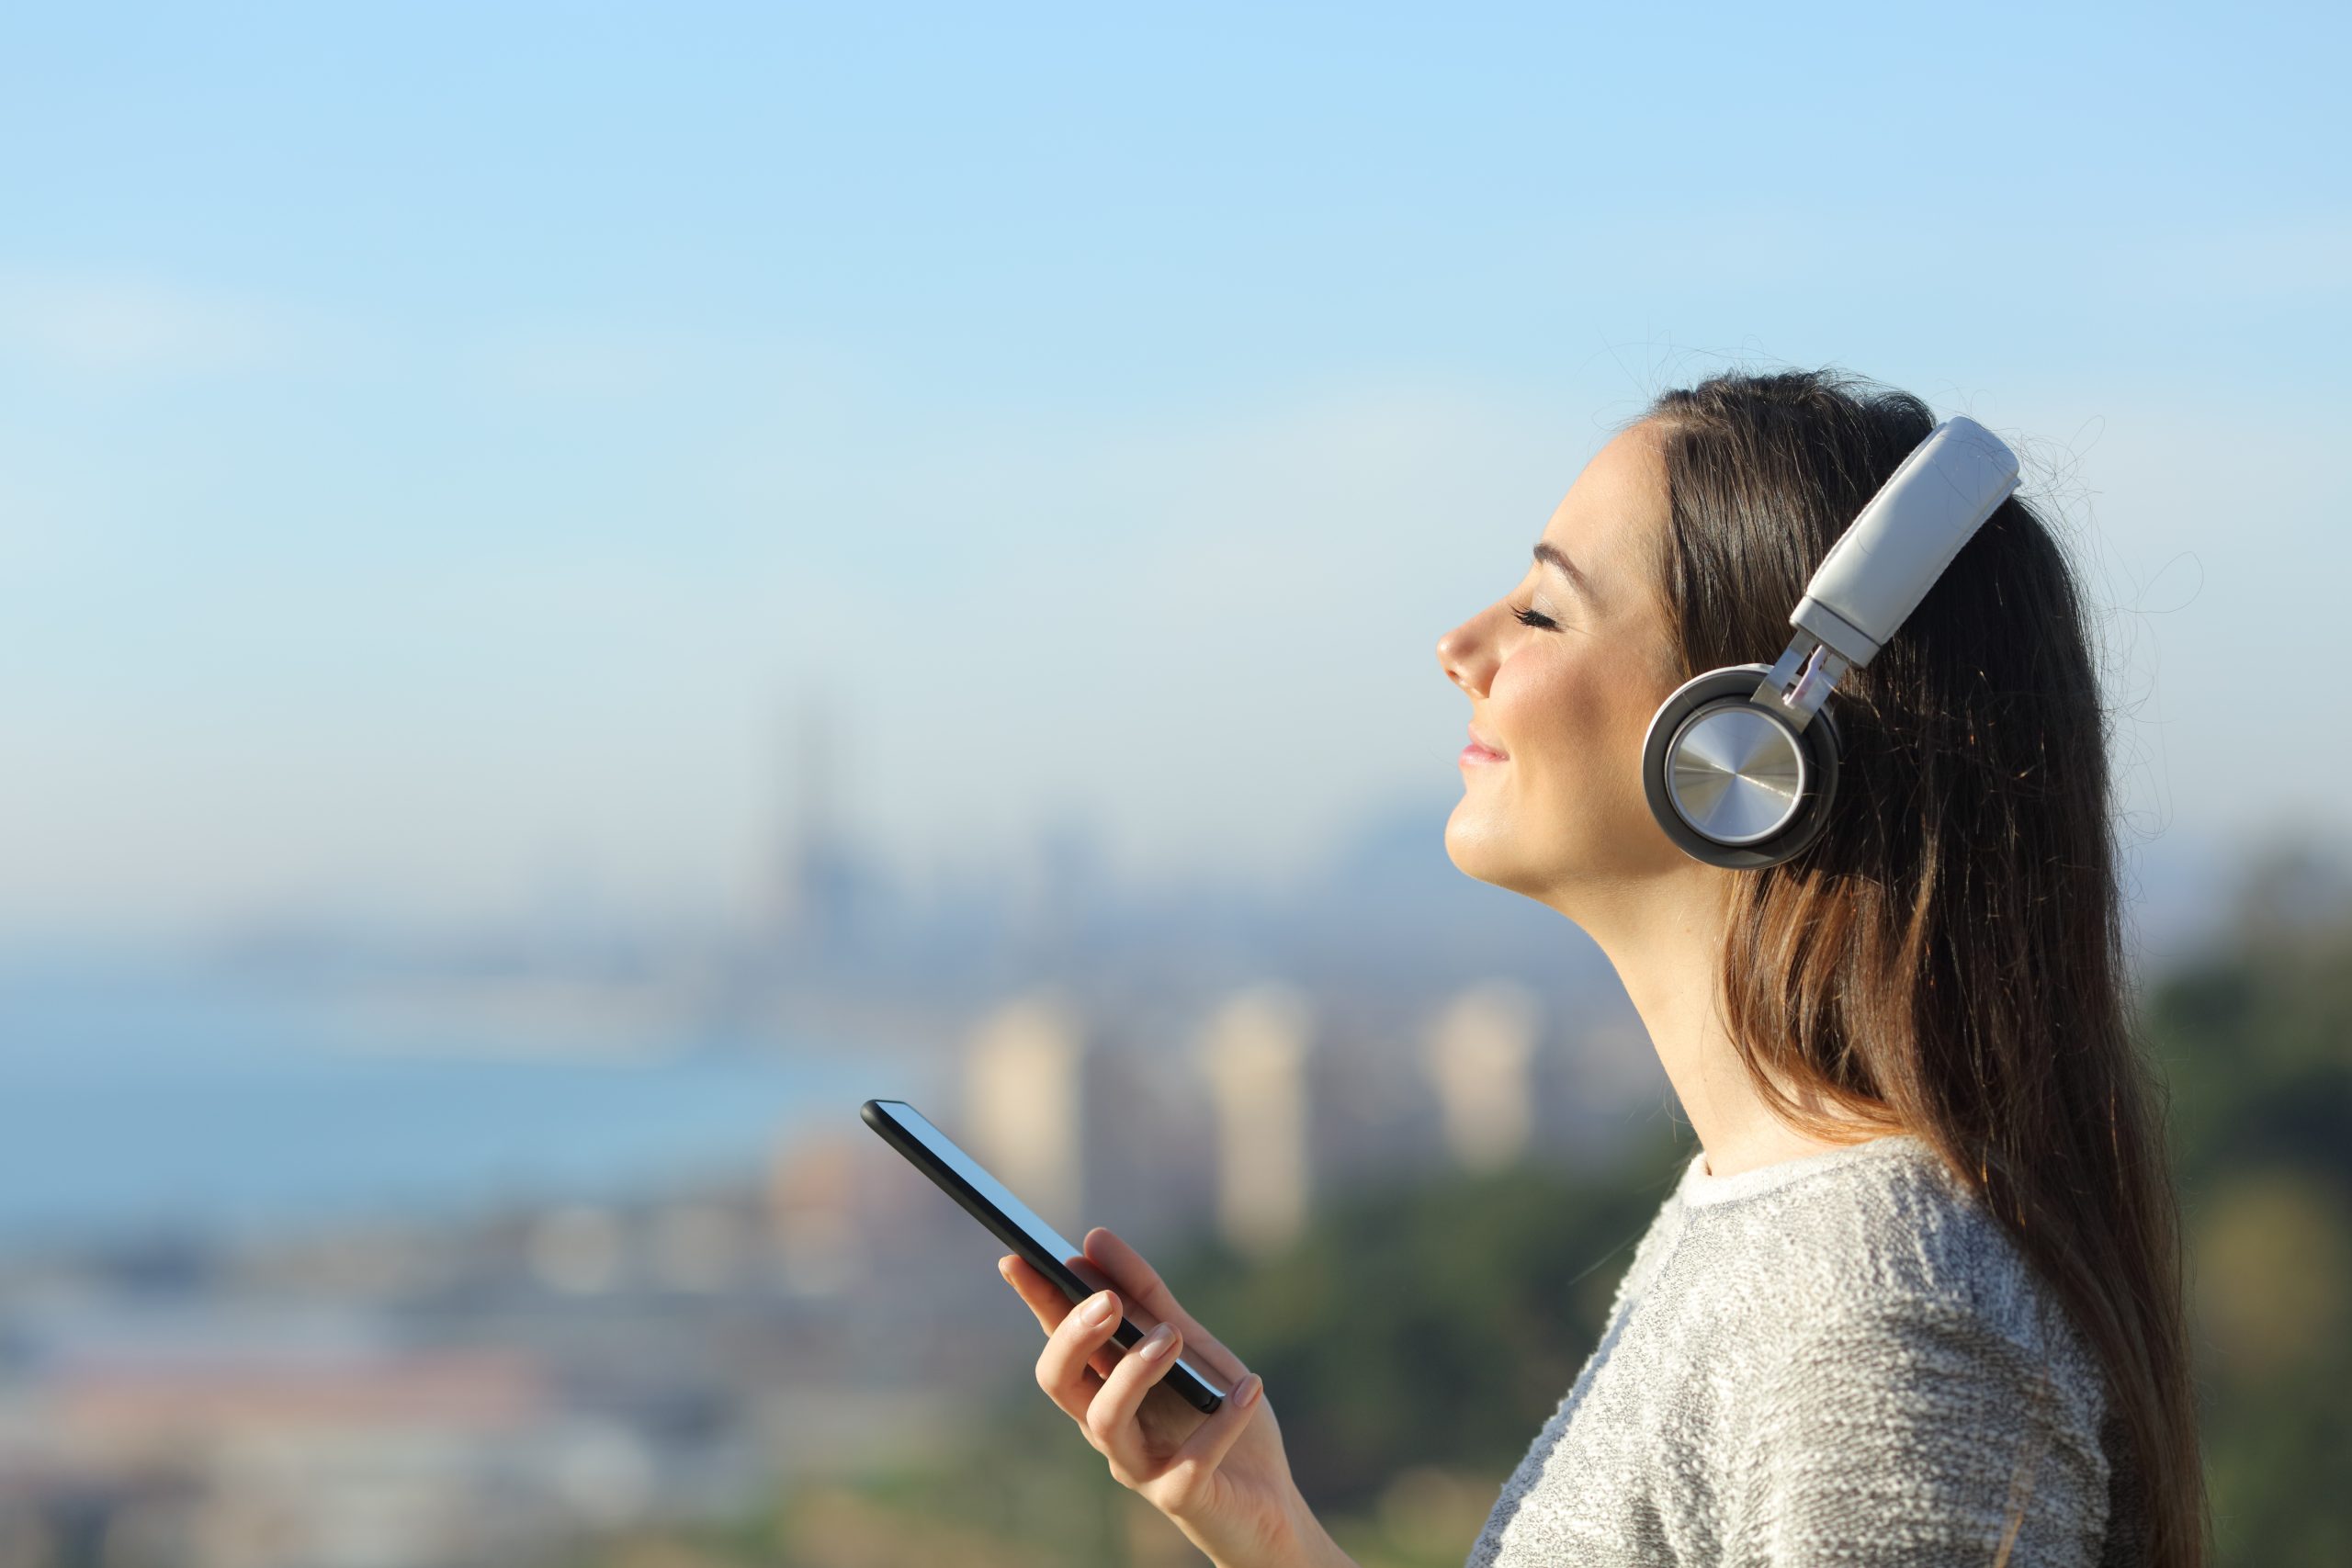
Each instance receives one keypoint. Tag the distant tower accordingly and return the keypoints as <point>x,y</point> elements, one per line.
<point>814,881</point>
<point>1255,1051</point>
<point>1049,891</point>
<point>1478,1054</point>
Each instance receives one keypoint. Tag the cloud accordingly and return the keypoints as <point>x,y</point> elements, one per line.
<point>122,325</point>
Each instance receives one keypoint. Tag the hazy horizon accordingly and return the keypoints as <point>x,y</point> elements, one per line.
<point>427,475</point>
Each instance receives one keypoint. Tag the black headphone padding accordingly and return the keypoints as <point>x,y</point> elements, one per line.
<point>1819,739</point>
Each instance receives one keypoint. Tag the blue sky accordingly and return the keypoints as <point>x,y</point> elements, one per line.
<point>438,446</point>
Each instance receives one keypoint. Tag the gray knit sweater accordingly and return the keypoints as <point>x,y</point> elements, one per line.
<point>1840,1358</point>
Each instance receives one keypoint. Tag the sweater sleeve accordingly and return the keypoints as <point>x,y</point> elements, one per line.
<point>1910,1434</point>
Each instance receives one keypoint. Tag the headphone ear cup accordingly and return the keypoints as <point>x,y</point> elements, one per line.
<point>1734,687</point>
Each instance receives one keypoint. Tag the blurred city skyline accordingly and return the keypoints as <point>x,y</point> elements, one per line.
<point>587,589</point>
<point>439,453</point>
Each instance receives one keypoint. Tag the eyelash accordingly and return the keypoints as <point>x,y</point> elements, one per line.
<point>1534,618</point>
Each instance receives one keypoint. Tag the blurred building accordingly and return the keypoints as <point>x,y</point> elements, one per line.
<point>1023,1103</point>
<point>1082,1117</point>
<point>1480,1054</point>
<point>818,1215</point>
<point>1261,1106</point>
<point>1255,1050</point>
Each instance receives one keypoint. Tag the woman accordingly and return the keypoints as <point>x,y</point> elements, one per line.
<point>1917,1298</point>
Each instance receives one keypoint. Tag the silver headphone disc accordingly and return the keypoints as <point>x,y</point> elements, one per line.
<point>1734,775</point>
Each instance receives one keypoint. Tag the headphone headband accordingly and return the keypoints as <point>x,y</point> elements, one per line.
<point>1884,563</point>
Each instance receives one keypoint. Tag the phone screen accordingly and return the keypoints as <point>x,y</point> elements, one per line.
<point>1016,1224</point>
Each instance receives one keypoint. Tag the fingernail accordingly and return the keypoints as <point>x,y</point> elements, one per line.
<point>1250,1392</point>
<point>1099,1309</point>
<point>1155,1344</point>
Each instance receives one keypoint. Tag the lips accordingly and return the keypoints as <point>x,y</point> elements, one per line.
<point>1484,744</point>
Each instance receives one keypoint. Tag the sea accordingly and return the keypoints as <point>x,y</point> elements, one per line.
<point>141,1100</point>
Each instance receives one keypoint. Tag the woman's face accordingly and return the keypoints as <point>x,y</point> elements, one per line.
<point>1567,698</point>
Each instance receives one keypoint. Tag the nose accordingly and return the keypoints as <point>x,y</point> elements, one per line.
<point>1464,654</point>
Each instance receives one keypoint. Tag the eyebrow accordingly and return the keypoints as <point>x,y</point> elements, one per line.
<point>1550,555</point>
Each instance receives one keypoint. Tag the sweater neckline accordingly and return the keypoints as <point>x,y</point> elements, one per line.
<point>1699,1188</point>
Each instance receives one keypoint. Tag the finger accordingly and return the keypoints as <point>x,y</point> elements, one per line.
<point>1111,1419</point>
<point>1140,1284</point>
<point>1063,1369</point>
<point>1192,1463</point>
<point>1047,1300</point>
<point>1039,1294</point>
<point>1046,1303</point>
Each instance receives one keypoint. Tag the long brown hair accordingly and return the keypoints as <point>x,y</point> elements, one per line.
<point>1948,959</point>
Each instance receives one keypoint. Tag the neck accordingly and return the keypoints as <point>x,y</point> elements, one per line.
<point>1664,939</point>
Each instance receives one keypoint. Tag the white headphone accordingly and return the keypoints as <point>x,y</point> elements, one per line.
<point>1740,763</point>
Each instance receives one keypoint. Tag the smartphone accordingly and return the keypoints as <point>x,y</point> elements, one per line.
<point>1012,1222</point>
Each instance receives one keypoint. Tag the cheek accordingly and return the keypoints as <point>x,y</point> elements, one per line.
<point>1576,732</point>
<point>1567,716</point>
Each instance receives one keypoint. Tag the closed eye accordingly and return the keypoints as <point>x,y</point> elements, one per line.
<point>1535,618</point>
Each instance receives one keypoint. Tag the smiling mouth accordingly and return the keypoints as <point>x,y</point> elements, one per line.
<point>1480,751</point>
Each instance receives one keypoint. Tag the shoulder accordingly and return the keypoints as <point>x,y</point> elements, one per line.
<point>1902,1356</point>
<point>1888,1261</point>
<point>1891,1236</point>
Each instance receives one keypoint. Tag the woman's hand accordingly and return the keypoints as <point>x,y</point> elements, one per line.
<point>1223,1478</point>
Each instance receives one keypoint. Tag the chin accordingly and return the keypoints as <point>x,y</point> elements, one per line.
<point>1483,855</point>
<point>1486,854</point>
